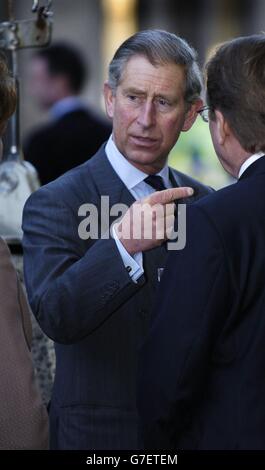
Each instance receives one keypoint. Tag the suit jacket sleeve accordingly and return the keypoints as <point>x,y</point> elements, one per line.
<point>195,298</point>
<point>72,290</point>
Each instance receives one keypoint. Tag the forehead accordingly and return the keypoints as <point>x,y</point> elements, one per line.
<point>139,73</point>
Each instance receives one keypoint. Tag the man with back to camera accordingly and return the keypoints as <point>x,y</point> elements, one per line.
<point>202,368</point>
<point>94,297</point>
<point>74,132</point>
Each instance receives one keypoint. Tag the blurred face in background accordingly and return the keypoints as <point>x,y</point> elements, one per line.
<point>45,88</point>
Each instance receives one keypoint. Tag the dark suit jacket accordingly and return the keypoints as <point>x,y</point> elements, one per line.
<point>65,143</point>
<point>202,370</point>
<point>84,299</point>
<point>23,417</point>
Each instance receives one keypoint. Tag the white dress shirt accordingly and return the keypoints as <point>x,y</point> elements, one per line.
<point>249,162</point>
<point>133,178</point>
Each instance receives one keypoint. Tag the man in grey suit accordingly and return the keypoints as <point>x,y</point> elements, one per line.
<point>93,295</point>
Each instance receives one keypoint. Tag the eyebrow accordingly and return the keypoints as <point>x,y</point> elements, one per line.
<point>135,91</point>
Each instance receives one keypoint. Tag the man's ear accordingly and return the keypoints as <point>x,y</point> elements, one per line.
<point>222,127</point>
<point>109,99</point>
<point>192,114</point>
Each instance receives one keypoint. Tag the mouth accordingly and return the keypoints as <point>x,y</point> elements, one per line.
<point>143,141</point>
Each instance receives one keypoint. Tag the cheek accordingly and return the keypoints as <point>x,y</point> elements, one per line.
<point>123,117</point>
<point>171,129</point>
<point>215,142</point>
<point>212,129</point>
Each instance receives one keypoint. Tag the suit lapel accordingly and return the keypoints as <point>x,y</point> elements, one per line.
<point>176,181</point>
<point>109,184</point>
<point>107,180</point>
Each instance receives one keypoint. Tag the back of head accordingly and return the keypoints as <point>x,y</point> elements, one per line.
<point>236,87</point>
<point>8,95</point>
<point>159,47</point>
<point>65,60</point>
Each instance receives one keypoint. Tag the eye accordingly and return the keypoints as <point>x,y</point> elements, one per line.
<point>162,103</point>
<point>133,100</point>
<point>133,97</point>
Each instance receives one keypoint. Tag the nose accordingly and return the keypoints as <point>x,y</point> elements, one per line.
<point>146,117</point>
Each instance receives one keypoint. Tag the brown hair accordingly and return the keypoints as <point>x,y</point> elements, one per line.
<point>236,87</point>
<point>8,94</point>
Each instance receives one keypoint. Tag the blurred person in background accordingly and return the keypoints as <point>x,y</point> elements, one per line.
<point>75,132</point>
<point>23,417</point>
<point>202,381</point>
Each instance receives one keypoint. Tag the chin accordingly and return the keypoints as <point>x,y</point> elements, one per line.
<point>141,161</point>
<point>143,156</point>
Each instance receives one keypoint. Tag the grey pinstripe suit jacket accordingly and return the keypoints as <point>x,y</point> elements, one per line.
<point>84,299</point>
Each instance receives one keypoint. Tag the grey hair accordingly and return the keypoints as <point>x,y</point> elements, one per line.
<point>159,47</point>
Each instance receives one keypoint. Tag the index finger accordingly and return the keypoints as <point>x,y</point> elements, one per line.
<point>168,195</point>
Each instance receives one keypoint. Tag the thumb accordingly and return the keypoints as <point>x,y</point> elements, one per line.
<point>168,195</point>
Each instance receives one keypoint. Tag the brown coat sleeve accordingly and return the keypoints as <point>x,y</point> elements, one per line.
<point>23,417</point>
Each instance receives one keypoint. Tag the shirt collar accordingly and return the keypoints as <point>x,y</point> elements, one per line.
<point>66,105</point>
<point>129,174</point>
<point>249,162</point>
